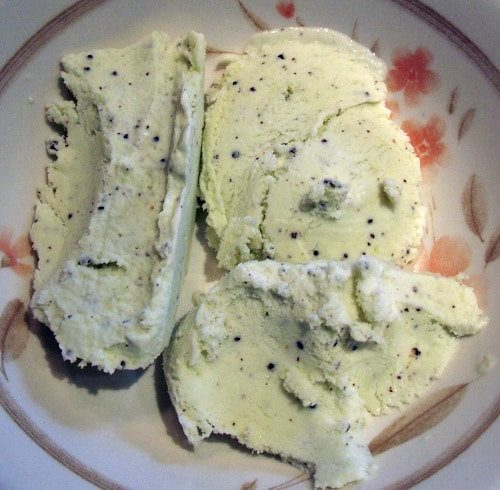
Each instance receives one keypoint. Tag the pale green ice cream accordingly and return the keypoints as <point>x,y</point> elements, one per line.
<point>289,358</point>
<point>113,224</point>
<point>300,158</point>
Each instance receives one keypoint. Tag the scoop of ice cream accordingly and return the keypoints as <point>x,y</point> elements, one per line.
<point>288,358</point>
<point>301,111</point>
<point>113,223</point>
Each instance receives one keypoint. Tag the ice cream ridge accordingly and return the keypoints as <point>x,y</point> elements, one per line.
<point>114,221</point>
<point>290,358</point>
<point>300,158</point>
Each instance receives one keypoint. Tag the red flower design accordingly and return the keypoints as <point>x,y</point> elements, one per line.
<point>411,74</point>
<point>427,140</point>
<point>286,9</point>
<point>449,256</point>
<point>14,251</point>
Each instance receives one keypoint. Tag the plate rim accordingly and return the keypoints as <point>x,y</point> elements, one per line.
<point>65,19</point>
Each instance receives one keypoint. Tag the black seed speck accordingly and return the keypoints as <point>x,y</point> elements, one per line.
<point>299,344</point>
<point>294,235</point>
<point>416,352</point>
<point>114,73</point>
<point>235,154</point>
<point>70,215</point>
<point>271,366</point>
<point>281,56</point>
<point>156,139</point>
<point>237,338</point>
<point>315,253</point>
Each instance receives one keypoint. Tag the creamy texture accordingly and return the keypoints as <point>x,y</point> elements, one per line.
<point>300,158</point>
<point>113,224</point>
<point>289,358</point>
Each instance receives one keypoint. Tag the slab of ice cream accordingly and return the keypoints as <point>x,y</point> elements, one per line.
<point>289,358</point>
<point>113,224</point>
<point>300,158</point>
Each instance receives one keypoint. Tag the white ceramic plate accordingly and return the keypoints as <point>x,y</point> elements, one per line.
<point>62,426</point>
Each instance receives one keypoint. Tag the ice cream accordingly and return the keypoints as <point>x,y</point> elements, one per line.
<point>300,158</point>
<point>113,224</point>
<point>289,358</point>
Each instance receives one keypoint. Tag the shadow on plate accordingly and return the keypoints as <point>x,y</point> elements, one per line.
<point>210,269</point>
<point>168,416</point>
<point>88,377</point>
